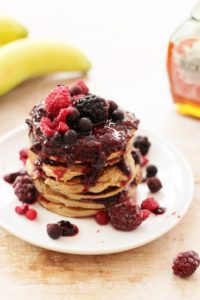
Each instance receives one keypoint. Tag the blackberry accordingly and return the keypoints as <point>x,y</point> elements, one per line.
<point>186,263</point>
<point>142,143</point>
<point>92,107</point>
<point>24,189</point>
<point>68,229</point>
<point>10,178</point>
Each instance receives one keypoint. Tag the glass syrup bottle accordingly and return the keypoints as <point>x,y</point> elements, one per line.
<point>183,65</point>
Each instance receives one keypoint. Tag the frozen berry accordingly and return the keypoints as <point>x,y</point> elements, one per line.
<point>75,90</point>
<point>85,125</point>
<point>81,84</point>
<point>57,138</point>
<point>10,178</point>
<point>57,99</point>
<point>125,216</point>
<point>143,161</point>
<point>54,231</point>
<point>145,214</point>
<point>151,171</point>
<point>68,229</point>
<point>150,204</point>
<point>31,214</point>
<point>62,127</point>
<point>117,115</point>
<point>159,211</point>
<point>112,106</point>
<point>70,137</point>
<point>186,263</point>
<point>24,189</point>
<point>154,184</point>
<point>23,155</point>
<point>47,127</point>
<point>143,144</point>
<point>102,218</point>
<point>22,209</point>
<point>73,116</point>
<point>92,107</point>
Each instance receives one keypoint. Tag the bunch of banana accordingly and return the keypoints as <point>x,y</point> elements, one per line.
<point>25,58</point>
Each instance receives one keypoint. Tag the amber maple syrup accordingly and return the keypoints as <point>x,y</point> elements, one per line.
<point>183,65</point>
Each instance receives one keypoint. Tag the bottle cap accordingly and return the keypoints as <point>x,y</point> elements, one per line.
<point>196,11</point>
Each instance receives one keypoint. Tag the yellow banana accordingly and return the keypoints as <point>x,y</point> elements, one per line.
<point>25,58</point>
<point>11,30</point>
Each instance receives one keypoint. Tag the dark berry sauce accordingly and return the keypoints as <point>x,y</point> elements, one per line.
<point>94,148</point>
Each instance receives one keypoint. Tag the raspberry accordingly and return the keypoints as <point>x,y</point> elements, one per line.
<point>57,99</point>
<point>62,127</point>
<point>24,189</point>
<point>185,263</point>
<point>143,144</point>
<point>47,126</point>
<point>68,229</point>
<point>83,86</point>
<point>143,160</point>
<point>125,216</point>
<point>22,209</point>
<point>79,88</point>
<point>23,155</point>
<point>92,107</point>
<point>31,214</point>
<point>10,178</point>
<point>150,204</point>
<point>102,218</point>
<point>154,184</point>
<point>145,214</point>
<point>54,231</point>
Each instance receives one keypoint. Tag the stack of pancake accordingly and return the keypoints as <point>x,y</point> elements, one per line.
<point>62,190</point>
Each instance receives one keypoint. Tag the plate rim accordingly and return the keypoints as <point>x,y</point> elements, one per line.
<point>111,250</point>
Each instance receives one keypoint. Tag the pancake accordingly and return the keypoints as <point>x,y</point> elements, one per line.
<point>66,211</point>
<point>80,170</point>
<point>52,196</point>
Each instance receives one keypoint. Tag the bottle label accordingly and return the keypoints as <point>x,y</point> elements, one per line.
<point>186,69</point>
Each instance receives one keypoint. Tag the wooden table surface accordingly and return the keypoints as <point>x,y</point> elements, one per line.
<point>125,71</point>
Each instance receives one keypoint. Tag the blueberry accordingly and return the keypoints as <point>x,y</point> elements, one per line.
<point>151,171</point>
<point>54,231</point>
<point>70,137</point>
<point>73,116</point>
<point>57,138</point>
<point>117,115</point>
<point>112,106</point>
<point>75,90</point>
<point>85,125</point>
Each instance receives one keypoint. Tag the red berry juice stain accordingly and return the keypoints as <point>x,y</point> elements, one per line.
<point>59,173</point>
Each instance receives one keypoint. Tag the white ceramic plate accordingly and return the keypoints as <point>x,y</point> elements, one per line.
<point>176,195</point>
